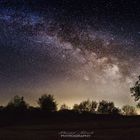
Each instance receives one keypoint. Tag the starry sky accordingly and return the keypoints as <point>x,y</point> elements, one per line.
<point>75,50</point>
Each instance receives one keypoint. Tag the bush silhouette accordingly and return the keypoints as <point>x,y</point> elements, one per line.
<point>138,105</point>
<point>85,106</point>
<point>17,104</point>
<point>129,110</point>
<point>76,108</point>
<point>47,103</point>
<point>106,107</point>
<point>64,107</point>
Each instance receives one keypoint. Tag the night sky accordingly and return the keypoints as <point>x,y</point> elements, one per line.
<point>73,49</point>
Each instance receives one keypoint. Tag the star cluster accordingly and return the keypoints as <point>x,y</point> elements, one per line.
<point>74,50</point>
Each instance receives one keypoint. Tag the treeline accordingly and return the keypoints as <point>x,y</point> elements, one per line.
<point>47,103</point>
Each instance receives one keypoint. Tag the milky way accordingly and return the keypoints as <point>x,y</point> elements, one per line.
<point>73,50</point>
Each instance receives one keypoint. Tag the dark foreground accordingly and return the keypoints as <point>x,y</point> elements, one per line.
<point>57,127</point>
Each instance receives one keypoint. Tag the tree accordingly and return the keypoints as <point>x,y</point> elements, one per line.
<point>86,106</point>
<point>64,107</point>
<point>76,107</point>
<point>47,103</point>
<point>17,104</point>
<point>135,90</point>
<point>93,106</point>
<point>129,110</point>
<point>106,107</point>
<point>138,105</point>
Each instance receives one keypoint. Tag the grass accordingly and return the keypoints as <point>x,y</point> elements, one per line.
<point>118,128</point>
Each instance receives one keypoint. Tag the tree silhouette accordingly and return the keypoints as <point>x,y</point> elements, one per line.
<point>64,107</point>
<point>47,103</point>
<point>129,110</point>
<point>17,104</point>
<point>135,90</point>
<point>85,106</point>
<point>138,105</point>
<point>93,106</point>
<point>76,107</point>
<point>106,107</point>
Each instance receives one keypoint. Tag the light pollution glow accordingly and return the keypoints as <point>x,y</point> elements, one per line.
<point>83,64</point>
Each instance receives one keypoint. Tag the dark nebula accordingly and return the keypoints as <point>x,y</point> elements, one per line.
<point>72,49</point>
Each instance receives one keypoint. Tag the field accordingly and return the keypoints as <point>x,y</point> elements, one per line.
<point>54,128</point>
